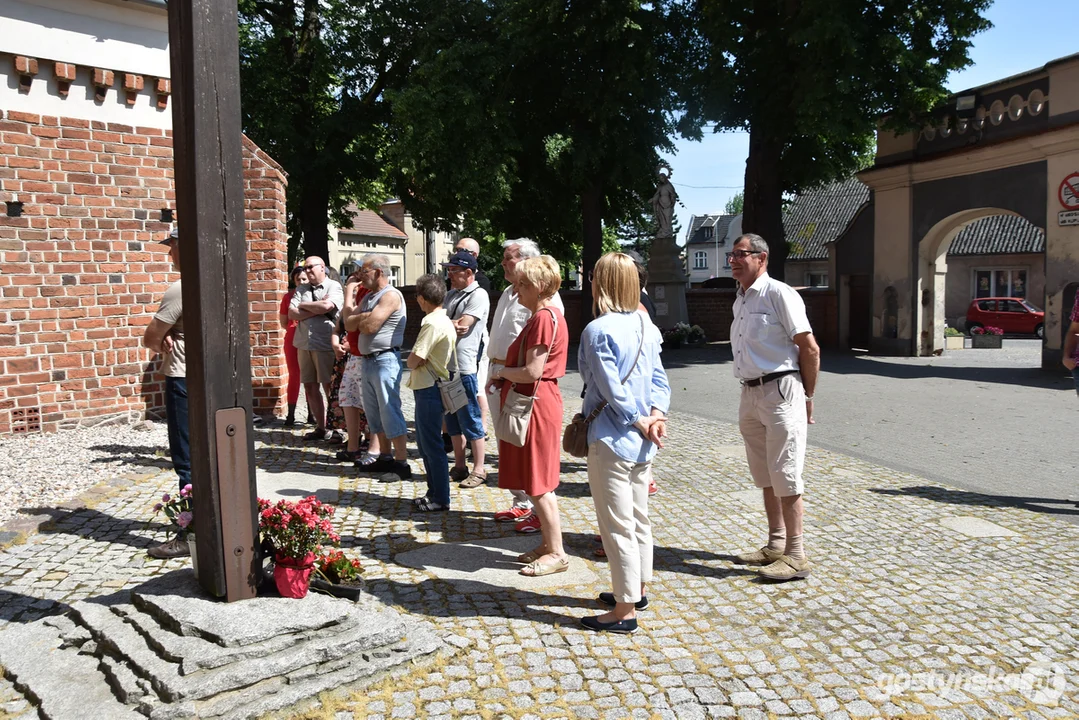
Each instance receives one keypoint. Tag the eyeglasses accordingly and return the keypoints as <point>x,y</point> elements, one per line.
<point>311,267</point>
<point>742,254</point>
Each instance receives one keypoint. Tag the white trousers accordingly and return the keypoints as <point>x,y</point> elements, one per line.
<point>494,401</point>
<point>772,418</point>
<point>620,493</point>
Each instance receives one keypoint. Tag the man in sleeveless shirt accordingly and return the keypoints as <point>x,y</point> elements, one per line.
<point>380,319</point>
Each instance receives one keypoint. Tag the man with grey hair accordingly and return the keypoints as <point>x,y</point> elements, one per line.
<point>315,305</point>
<point>777,360</point>
<point>380,319</point>
<point>509,320</point>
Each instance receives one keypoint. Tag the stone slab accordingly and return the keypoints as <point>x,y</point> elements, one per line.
<point>32,657</point>
<point>370,628</point>
<point>481,565</point>
<point>976,527</point>
<point>177,601</point>
<point>289,485</point>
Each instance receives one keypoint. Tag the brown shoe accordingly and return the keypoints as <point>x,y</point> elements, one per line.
<point>457,474</point>
<point>786,568</point>
<point>174,548</point>
<point>764,556</point>
<point>473,481</point>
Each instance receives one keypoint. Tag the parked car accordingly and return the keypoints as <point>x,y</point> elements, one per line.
<point>1012,315</point>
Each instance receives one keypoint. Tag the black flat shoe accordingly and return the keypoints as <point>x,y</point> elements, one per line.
<point>623,627</point>
<point>608,600</point>
<point>430,506</point>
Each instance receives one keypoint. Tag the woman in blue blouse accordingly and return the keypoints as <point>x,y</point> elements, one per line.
<point>627,399</point>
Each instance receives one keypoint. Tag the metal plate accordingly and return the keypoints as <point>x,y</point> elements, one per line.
<point>237,513</point>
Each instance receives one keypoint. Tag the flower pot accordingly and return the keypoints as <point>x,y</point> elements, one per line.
<point>347,592</point>
<point>293,575</point>
<point>987,341</point>
<point>953,342</point>
<point>194,555</point>
<point>672,343</point>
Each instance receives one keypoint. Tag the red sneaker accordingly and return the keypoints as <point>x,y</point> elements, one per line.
<point>652,489</point>
<point>530,524</point>
<point>513,514</point>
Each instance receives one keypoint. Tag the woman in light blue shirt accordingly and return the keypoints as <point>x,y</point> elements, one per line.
<point>626,404</point>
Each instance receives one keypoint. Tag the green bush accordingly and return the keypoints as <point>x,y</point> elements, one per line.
<point>952,332</point>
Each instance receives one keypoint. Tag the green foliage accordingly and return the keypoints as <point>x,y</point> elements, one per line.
<point>315,81</point>
<point>810,79</point>
<point>735,204</point>
<point>952,332</point>
<point>537,116</point>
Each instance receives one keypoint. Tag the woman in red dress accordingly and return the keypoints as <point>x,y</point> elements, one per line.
<point>538,355</point>
<point>292,361</point>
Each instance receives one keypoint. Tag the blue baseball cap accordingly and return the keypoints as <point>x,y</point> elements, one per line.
<point>462,259</point>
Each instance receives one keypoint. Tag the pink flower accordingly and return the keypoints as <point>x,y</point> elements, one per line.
<point>184,519</point>
<point>157,508</point>
<point>166,497</point>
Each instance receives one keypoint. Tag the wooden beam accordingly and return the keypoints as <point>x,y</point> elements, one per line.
<point>207,144</point>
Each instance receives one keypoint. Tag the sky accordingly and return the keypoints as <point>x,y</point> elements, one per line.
<point>1026,34</point>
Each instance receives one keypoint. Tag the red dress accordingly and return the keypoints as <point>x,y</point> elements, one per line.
<point>536,467</point>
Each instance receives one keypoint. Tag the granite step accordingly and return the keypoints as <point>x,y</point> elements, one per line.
<point>46,675</point>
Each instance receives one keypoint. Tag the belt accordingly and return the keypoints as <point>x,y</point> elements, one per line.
<point>376,353</point>
<point>766,378</point>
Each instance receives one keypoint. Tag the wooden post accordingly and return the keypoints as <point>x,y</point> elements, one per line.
<point>204,54</point>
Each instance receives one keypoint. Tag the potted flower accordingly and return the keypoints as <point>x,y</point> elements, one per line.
<point>953,339</point>
<point>297,531</point>
<point>986,337</point>
<point>180,511</point>
<point>696,335</point>
<point>675,336</point>
<point>338,575</point>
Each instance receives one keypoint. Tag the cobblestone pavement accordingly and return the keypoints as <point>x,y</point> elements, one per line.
<point>913,581</point>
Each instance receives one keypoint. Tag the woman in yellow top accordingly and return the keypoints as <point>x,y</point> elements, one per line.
<point>428,363</point>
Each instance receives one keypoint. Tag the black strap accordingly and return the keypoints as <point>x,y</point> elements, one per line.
<point>595,413</point>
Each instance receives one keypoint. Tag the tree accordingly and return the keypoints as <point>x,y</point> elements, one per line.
<point>809,80</point>
<point>315,77</point>
<point>549,117</point>
<point>735,204</point>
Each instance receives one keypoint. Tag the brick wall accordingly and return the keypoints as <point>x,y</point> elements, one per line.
<point>81,273</point>
<point>713,310</point>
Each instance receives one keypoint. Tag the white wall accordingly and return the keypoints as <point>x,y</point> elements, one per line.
<point>89,34</point>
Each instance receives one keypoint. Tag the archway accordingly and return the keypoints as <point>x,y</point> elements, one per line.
<point>932,271</point>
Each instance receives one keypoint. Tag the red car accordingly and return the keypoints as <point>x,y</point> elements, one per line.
<point>1012,315</point>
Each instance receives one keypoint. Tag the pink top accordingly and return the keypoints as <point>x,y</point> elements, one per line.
<point>1075,319</point>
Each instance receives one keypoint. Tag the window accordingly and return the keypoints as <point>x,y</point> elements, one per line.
<point>700,260</point>
<point>394,273</point>
<point>1013,306</point>
<point>1000,282</point>
<point>817,279</point>
<point>988,306</point>
<point>708,232</point>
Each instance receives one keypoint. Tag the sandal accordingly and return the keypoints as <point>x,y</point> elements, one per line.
<point>420,500</point>
<point>430,506</point>
<point>531,556</point>
<point>458,474</point>
<point>473,480</point>
<point>538,569</point>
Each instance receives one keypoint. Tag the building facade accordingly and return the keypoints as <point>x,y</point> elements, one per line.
<point>708,239</point>
<point>86,191</point>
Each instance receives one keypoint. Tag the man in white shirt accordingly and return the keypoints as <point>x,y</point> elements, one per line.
<point>509,320</point>
<point>777,360</point>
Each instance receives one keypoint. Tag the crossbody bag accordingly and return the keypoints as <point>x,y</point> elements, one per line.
<point>516,412</point>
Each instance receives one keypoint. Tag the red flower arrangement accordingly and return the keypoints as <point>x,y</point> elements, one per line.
<point>297,529</point>
<point>987,330</point>
<point>337,568</point>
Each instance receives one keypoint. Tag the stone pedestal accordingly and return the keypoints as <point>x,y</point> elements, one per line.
<point>667,283</point>
<point>167,651</point>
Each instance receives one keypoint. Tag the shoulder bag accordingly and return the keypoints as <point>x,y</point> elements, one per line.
<point>575,436</point>
<point>453,393</point>
<point>516,411</point>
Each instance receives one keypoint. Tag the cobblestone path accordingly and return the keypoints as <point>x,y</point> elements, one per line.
<point>925,601</point>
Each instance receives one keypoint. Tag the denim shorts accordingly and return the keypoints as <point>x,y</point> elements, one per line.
<point>382,394</point>
<point>467,421</point>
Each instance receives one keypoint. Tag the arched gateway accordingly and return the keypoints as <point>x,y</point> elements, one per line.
<point>1007,148</point>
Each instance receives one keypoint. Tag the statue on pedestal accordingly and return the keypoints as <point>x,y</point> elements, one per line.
<point>667,276</point>
<point>663,204</point>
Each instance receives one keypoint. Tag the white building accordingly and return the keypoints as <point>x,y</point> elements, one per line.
<point>708,239</point>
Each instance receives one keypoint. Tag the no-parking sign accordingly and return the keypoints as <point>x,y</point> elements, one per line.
<point>1069,192</point>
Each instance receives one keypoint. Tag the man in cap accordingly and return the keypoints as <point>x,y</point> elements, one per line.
<point>467,306</point>
<point>165,336</point>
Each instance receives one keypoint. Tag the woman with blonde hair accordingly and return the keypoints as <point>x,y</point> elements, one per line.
<point>625,405</point>
<point>534,362</point>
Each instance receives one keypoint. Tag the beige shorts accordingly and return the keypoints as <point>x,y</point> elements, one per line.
<point>316,366</point>
<point>773,421</point>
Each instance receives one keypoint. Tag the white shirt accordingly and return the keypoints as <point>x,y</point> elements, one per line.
<point>767,316</point>
<point>509,320</point>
